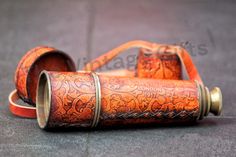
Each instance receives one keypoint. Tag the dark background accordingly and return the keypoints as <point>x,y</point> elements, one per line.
<point>86,29</point>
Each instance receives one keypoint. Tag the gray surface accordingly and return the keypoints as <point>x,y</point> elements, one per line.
<point>78,27</point>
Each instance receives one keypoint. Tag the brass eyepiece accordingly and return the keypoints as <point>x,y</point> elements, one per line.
<point>210,101</point>
<point>216,101</point>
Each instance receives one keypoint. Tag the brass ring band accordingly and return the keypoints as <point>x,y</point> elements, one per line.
<point>199,98</point>
<point>97,108</point>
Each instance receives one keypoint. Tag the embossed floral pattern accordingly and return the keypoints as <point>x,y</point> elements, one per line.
<point>124,100</point>
<point>158,66</point>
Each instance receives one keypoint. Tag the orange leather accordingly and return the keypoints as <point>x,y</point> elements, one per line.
<point>158,66</point>
<point>118,72</point>
<point>20,110</point>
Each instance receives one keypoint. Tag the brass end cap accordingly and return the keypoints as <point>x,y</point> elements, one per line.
<point>216,101</point>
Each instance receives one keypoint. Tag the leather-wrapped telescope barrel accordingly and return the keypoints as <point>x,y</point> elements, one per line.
<point>86,99</point>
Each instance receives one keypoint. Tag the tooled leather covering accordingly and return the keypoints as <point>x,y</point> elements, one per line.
<point>158,66</point>
<point>124,100</point>
<point>23,69</point>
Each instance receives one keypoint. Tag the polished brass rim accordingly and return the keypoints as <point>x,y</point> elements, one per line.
<point>203,103</point>
<point>97,108</point>
<point>208,101</point>
<point>216,101</point>
<point>43,100</point>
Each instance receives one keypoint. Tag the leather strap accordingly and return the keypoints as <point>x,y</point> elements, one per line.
<point>20,110</point>
<point>183,55</point>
